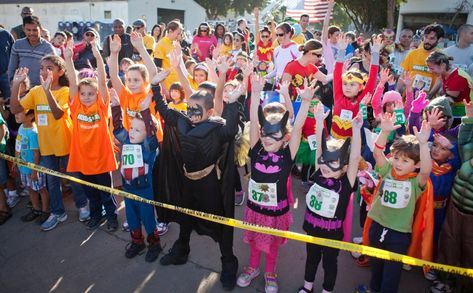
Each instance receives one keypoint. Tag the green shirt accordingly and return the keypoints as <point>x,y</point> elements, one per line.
<point>394,204</point>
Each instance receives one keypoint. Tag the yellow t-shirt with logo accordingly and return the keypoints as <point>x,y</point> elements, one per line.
<point>161,51</point>
<point>149,43</point>
<point>415,63</point>
<point>54,136</point>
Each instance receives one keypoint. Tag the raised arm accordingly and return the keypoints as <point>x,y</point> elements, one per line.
<point>175,60</point>
<point>320,117</point>
<point>223,66</point>
<point>71,71</point>
<point>257,33</point>
<point>355,149</point>
<point>284,93</point>
<point>167,114</point>
<point>56,110</point>
<point>425,158</point>
<point>326,22</point>
<point>21,74</point>
<point>376,102</point>
<point>387,125</point>
<point>137,42</point>
<point>101,75</point>
<point>257,84</point>
<point>115,46</point>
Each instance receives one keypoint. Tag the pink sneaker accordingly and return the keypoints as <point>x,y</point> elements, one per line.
<point>271,283</point>
<point>247,276</point>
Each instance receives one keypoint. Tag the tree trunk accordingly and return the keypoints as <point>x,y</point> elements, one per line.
<point>390,13</point>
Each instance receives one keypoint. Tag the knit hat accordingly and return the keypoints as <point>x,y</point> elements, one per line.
<point>443,104</point>
<point>91,30</point>
<point>391,96</point>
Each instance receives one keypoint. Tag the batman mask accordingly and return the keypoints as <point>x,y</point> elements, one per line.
<point>196,110</point>
<point>331,158</point>
<point>271,130</point>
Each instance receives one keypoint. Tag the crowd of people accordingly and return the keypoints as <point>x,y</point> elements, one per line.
<point>232,116</point>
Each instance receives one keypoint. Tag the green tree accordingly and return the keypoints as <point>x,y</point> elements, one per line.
<point>216,8</point>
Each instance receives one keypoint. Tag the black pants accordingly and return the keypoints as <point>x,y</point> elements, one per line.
<point>329,256</point>
<point>98,198</point>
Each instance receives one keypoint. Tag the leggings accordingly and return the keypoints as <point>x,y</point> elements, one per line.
<point>255,255</point>
<point>329,262</point>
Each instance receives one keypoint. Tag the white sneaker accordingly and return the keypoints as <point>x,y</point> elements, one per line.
<point>440,287</point>
<point>357,240</point>
<point>430,275</point>
<point>84,213</point>
<point>248,274</point>
<point>12,201</point>
<point>162,228</point>
<point>406,267</point>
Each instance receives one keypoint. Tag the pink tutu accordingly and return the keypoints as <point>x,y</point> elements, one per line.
<point>264,241</point>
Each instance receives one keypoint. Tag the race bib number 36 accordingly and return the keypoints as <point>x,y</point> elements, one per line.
<point>264,194</point>
<point>322,201</point>
<point>132,156</point>
<point>396,194</point>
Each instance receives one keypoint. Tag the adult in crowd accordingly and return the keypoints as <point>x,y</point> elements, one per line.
<point>287,50</point>
<point>219,33</point>
<point>157,32</point>
<point>415,60</point>
<point>6,44</point>
<point>27,52</point>
<point>243,29</point>
<point>329,39</point>
<point>126,48</point>
<point>462,51</point>
<point>83,54</point>
<point>203,43</point>
<point>304,23</point>
<point>17,32</point>
<point>401,49</point>
<point>139,26</point>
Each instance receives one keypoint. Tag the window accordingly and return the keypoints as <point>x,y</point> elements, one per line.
<point>107,14</point>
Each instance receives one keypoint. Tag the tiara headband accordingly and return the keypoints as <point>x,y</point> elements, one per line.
<point>350,77</point>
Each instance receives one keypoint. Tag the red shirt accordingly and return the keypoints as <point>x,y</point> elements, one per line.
<point>298,73</point>
<point>265,52</point>
<point>456,83</point>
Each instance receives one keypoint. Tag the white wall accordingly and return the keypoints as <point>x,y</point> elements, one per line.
<point>194,14</point>
<point>51,13</point>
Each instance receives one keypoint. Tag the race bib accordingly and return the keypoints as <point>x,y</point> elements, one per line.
<point>132,156</point>
<point>422,82</point>
<point>396,194</point>
<point>346,115</point>
<point>400,117</point>
<point>364,111</point>
<point>264,194</point>
<point>322,201</point>
<point>42,119</point>
<point>312,142</point>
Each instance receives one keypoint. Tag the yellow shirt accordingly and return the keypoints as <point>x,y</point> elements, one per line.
<point>149,43</point>
<point>161,51</point>
<point>415,63</point>
<point>299,39</point>
<point>54,136</point>
<point>226,50</point>
<point>182,106</point>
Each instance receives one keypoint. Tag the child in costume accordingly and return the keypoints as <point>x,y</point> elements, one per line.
<point>404,188</point>
<point>201,139</point>
<point>272,156</point>
<point>455,247</point>
<point>328,199</point>
<point>349,88</point>
<point>139,151</point>
<point>91,153</point>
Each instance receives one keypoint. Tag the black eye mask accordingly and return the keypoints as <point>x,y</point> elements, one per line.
<point>270,130</point>
<point>196,111</point>
<point>330,157</point>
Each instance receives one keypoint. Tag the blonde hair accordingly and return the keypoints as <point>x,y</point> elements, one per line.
<point>88,81</point>
<point>141,69</point>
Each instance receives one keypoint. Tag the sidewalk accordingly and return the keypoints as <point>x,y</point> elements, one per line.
<point>73,259</point>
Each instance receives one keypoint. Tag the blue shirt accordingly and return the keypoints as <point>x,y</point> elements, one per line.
<point>26,142</point>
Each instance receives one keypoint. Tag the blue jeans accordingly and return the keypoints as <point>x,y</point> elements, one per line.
<point>54,184</point>
<point>98,198</point>
<point>386,275</point>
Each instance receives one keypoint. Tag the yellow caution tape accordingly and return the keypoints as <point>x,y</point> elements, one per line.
<point>365,250</point>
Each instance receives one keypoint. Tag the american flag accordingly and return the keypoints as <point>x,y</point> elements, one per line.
<point>316,9</point>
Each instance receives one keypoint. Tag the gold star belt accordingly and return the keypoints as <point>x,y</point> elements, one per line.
<point>197,175</point>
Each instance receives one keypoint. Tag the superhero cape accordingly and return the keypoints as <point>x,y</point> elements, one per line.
<point>423,225</point>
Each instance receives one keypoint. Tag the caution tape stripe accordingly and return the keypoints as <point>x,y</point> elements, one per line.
<point>351,247</point>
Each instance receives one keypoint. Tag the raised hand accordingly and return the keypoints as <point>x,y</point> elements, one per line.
<point>436,118</point>
<point>308,92</point>
<point>366,99</point>
<point>223,64</point>
<point>114,99</point>
<point>95,49</point>
<point>247,69</point>
<point>284,88</point>
<point>342,42</point>
<point>174,59</point>
<point>136,39</point>
<point>319,113</point>
<point>357,121</point>
<point>144,104</point>
<point>388,121</point>
<point>160,76</point>
<point>46,83</point>
<point>257,83</point>
<point>383,76</point>
<point>21,74</point>
<point>115,44</point>
<point>69,50</point>
<point>235,94</point>
<point>424,133</point>
<point>377,44</point>
<point>406,78</point>
<point>420,102</point>
<point>468,109</point>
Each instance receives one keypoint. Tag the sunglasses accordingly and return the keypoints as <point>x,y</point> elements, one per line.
<point>89,35</point>
<point>316,54</point>
<point>265,36</point>
<point>137,27</point>
<point>280,35</point>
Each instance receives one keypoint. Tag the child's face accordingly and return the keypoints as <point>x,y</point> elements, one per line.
<point>200,76</point>
<point>175,96</point>
<point>437,69</point>
<point>351,89</point>
<point>441,149</point>
<point>137,131</point>
<point>48,65</point>
<point>240,62</point>
<point>327,172</point>
<point>226,90</point>
<point>402,164</point>
<point>20,117</point>
<point>59,41</point>
<point>135,81</point>
<point>390,107</point>
<point>227,41</point>
<point>196,111</point>
<point>87,95</point>
<point>272,145</point>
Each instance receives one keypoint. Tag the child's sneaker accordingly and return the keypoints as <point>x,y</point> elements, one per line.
<point>33,214</point>
<point>357,240</point>
<point>271,283</point>
<point>125,227</point>
<point>53,221</point>
<point>239,198</point>
<point>84,213</point>
<point>430,275</point>
<point>12,201</point>
<point>162,228</point>
<point>112,225</point>
<point>247,276</point>
<point>440,287</point>
<point>406,267</point>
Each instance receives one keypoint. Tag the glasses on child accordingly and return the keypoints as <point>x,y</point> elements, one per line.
<point>265,36</point>
<point>280,35</point>
<point>89,35</point>
<point>316,54</point>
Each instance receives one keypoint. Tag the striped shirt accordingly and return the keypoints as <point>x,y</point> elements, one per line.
<point>25,55</point>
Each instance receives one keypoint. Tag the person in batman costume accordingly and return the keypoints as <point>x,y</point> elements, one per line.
<point>193,145</point>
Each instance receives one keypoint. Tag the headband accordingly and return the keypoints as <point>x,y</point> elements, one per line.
<point>350,77</point>
<point>201,66</point>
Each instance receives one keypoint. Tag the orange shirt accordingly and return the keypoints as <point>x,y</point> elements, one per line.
<point>130,104</point>
<point>91,145</point>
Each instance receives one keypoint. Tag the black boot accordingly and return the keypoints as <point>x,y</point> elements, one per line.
<point>137,244</point>
<point>154,247</point>
<point>177,255</point>
<point>229,271</point>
